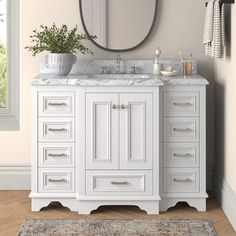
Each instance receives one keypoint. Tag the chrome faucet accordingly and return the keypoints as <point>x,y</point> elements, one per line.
<point>118,61</point>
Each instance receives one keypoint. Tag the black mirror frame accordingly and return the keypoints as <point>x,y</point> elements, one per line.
<point>118,50</point>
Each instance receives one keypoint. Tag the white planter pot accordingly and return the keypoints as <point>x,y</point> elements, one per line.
<point>60,63</point>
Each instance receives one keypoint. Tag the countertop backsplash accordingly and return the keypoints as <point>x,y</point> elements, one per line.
<point>142,66</point>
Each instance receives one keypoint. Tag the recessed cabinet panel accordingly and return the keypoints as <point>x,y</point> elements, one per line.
<point>136,131</point>
<point>102,131</point>
<point>119,182</point>
<point>182,103</point>
<point>56,180</point>
<point>56,155</point>
<point>180,129</point>
<point>181,155</point>
<point>56,129</point>
<point>56,103</point>
<point>184,180</point>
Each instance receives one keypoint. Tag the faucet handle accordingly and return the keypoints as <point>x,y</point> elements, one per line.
<point>118,58</point>
<point>103,70</point>
<point>133,69</point>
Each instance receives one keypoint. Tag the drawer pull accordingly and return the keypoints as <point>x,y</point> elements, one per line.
<point>114,107</point>
<point>57,104</point>
<point>182,155</point>
<point>57,180</point>
<point>119,183</point>
<point>182,180</point>
<point>57,130</point>
<point>179,104</point>
<point>182,130</point>
<point>57,155</point>
<point>123,107</point>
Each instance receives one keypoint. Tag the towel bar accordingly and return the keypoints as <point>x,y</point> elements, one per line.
<point>225,2</point>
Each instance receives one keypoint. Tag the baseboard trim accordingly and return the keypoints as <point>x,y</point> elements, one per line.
<point>15,177</point>
<point>226,197</point>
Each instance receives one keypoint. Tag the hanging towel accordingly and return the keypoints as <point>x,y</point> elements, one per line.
<point>208,29</point>
<point>223,25</point>
<point>214,32</point>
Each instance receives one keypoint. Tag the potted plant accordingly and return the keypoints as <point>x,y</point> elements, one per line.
<point>61,43</point>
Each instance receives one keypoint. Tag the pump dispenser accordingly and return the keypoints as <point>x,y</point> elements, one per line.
<point>157,66</point>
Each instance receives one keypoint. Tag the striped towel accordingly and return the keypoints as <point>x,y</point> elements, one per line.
<point>214,31</point>
<point>208,29</point>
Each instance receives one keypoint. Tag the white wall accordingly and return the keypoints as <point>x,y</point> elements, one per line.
<point>225,121</point>
<point>225,70</point>
<point>179,26</point>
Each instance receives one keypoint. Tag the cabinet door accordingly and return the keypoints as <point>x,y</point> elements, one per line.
<point>102,131</point>
<point>136,121</point>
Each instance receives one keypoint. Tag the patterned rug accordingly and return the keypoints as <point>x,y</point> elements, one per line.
<point>83,227</point>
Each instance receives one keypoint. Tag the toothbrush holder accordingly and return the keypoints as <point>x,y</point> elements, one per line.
<point>187,68</point>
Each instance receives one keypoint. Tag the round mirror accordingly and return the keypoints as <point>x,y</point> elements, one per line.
<point>119,25</point>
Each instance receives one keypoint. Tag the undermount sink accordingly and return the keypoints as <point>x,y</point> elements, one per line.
<point>120,76</point>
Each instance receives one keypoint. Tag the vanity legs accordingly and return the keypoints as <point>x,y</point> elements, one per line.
<point>198,203</point>
<point>86,207</point>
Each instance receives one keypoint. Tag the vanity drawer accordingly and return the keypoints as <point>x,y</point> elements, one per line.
<point>181,103</point>
<point>56,103</point>
<point>56,155</point>
<point>56,180</point>
<point>119,183</point>
<point>56,129</point>
<point>181,180</point>
<point>179,129</point>
<point>181,155</point>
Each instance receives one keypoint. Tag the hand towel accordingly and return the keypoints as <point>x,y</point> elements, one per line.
<point>223,24</point>
<point>208,29</point>
<point>214,41</point>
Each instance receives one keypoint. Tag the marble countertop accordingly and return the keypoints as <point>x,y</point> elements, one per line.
<point>144,80</point>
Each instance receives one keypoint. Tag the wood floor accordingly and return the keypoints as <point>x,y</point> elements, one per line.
<point>15,208</point>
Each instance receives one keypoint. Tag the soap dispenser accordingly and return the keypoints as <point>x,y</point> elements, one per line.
<point>157,66</point>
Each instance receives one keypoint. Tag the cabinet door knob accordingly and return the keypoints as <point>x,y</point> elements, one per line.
<point>123,107</point>
<point>114,107</point>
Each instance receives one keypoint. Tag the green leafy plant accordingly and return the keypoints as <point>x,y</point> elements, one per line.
<point>58,40</point>
<point>3,75</point>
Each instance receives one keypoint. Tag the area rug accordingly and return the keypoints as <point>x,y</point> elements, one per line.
<point>84,227</point>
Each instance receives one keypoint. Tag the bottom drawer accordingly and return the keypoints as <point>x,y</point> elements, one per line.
<point>119,183</point>
<point>181,180</point>
<point>56,180</point>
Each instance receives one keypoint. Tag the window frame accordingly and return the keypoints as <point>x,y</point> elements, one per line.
<point>9,116</point>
